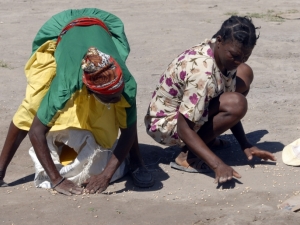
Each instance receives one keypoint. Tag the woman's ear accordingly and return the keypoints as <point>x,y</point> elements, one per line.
<point>219,40</point>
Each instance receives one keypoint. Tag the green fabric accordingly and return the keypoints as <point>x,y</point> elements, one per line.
<point>52,28</point>
<point>68,79</point>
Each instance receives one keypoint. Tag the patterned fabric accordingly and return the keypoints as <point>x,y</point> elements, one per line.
<point>94,60</point>
<point>187,86</point>
<point>101,73</point>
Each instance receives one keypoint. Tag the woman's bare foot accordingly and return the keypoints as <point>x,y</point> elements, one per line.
<point>188,162</point>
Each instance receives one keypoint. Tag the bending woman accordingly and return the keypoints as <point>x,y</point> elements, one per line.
<point>78,83</point>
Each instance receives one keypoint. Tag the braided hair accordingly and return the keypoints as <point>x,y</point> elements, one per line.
<point>240,29</point>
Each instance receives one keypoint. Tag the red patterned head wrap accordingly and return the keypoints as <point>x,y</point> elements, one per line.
<point>101,72</point>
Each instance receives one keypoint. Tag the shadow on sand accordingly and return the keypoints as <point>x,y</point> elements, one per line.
<point>154,155</point>
<point>23,180</point>
<point>232,155</point>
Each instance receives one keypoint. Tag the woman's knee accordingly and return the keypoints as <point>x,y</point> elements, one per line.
<point>234,103</point>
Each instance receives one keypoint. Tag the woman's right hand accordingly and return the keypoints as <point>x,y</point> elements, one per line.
<point>67,187</point>
<point>224,173</point>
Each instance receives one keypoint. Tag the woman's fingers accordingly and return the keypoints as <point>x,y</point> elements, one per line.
<point>248,154</point>
<point>264,155</point>
<point>225,174</point>
<point>216,180</point>
<point>62,191</point>
<point>90,187</point>
<point>76,190</point>
<point>97,184</point>
<point>254,151</point>
<point>93,188</point>
<point>225,179</point>
<point>68,188</point>
<point>269,156</point>
<point>100,190</point>
<point>236,174</point>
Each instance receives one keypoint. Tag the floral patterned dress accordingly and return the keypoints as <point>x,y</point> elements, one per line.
<point>187,86</point>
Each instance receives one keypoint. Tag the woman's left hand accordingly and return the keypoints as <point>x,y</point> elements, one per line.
<point>254,151</point>
<point>96,184</point>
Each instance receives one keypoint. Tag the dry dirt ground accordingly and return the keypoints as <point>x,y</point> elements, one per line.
<point>158,30</point>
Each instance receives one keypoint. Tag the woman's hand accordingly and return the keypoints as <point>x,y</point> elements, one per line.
<point>67,187</point>
<point>254,151</point>
<point>96,184</point>
<point>224,173</point>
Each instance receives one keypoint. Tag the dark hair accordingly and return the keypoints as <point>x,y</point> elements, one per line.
<point>240,29</point>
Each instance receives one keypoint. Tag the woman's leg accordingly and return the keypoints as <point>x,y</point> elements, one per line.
<point>224,112</point>
<point>244,78</point>
<point>14,138</point>
<point>136,159</point>
<point>140,175</point>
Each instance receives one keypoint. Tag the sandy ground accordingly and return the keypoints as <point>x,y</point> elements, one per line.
<point>158,31</point>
